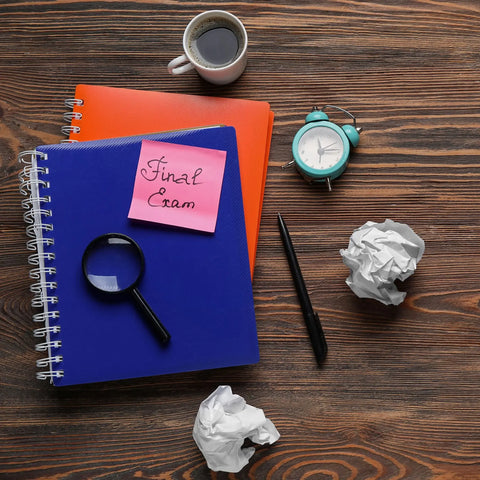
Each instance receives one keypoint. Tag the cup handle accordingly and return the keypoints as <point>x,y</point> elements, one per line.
<point>174,66</point>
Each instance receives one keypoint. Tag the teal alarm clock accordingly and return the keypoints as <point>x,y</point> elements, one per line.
<point>321,148</point>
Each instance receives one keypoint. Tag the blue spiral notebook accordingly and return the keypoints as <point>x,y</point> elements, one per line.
<point>198,283</point>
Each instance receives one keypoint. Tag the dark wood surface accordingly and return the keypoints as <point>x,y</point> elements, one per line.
<point>399,395</point>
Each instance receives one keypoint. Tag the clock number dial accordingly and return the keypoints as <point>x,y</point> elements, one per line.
<point>321,148</point>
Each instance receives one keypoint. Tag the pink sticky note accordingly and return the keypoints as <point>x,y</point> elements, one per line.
<point>178,185</point>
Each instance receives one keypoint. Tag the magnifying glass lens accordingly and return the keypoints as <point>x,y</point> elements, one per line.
<point>113,264</point>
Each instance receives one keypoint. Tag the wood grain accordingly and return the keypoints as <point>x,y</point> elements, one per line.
<point>398,395</point>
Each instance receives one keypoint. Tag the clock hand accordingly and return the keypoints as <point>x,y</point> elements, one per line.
<point>323,150</point>
<point>319,149</point>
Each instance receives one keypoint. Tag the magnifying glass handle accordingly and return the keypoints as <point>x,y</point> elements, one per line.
<point>161,330</point>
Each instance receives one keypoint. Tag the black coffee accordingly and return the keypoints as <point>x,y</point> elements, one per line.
<point>217,46</point>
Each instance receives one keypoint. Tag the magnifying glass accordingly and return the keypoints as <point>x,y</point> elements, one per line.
<point>114,263</point>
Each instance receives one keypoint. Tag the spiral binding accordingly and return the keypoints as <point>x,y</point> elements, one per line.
<point>69,116</point>
<point>33,183</point>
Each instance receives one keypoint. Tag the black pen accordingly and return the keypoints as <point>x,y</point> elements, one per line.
<point>312,321</point>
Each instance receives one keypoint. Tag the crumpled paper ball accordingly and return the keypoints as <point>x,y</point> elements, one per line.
<point>377,255</point>
<point>223,422</point>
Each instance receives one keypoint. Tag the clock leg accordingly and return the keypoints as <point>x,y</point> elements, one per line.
<point>329,184</point>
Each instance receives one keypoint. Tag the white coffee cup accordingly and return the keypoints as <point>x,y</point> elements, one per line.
<point>209,45</point>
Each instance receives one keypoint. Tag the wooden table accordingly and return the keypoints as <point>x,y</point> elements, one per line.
<point>398,397</point>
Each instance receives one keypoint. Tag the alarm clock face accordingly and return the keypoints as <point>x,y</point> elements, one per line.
<point>321,148</point>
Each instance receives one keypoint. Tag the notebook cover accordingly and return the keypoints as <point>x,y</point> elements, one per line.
<point>115,112</point>
<point>198,283</point>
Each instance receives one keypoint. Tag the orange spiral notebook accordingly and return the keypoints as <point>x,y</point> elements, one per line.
<point>107,112</point>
